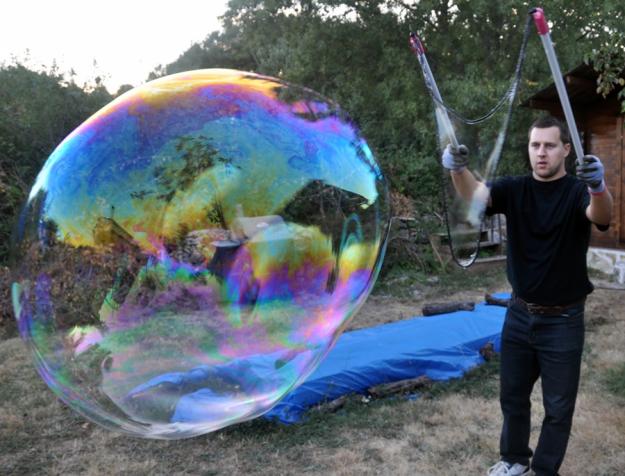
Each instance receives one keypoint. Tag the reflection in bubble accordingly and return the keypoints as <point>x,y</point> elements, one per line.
<point>190,253</point>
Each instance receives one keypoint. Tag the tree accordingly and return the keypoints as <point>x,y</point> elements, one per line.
<point>356,53</point>
<point>38,109</point>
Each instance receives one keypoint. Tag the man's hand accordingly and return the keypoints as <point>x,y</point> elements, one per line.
<point>455,158</point>
<point>590,170</point>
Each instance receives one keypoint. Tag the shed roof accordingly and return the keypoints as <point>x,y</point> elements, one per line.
<point>581,86</point>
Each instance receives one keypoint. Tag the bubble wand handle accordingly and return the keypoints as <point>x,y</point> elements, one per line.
<point>419,51</point>
<point>543,30</point>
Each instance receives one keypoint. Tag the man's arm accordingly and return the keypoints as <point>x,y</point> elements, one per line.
<point>466,185</point>
<point>600,209</point>
<point>590,170</point>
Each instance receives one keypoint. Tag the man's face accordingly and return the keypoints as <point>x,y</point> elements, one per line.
<point>547,153</point>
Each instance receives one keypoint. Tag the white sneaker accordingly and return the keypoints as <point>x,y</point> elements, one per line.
<point>506,469</point>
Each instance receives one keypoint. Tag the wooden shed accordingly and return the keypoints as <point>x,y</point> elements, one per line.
<point>601,124</point>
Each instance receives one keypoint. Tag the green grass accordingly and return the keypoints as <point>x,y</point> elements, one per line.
<point>466,279</point>
<point>481,381</point>
<point>614,380</point>
<point>400,281</point>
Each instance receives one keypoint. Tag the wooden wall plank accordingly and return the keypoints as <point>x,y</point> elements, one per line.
<point>603,139</point>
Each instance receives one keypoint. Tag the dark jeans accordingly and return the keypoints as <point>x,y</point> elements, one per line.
<point>549,347</point>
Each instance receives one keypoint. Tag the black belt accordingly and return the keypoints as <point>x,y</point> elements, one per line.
<point>541,310</point>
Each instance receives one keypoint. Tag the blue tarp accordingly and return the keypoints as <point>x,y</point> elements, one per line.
<point>441,347</point>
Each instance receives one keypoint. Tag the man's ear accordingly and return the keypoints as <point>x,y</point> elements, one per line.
<point>567,148</point>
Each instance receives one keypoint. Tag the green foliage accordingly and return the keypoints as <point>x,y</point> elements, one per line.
<point>356,53</point>
<point>38,110</point>
<point>607,54</point>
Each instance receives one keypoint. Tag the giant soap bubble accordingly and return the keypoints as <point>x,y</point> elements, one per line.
<point>192,251</point>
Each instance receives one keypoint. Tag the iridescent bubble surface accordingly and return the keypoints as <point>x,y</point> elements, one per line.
<point>192,251</point>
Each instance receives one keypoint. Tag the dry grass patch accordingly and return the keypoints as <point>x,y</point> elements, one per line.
<point>451,429</point>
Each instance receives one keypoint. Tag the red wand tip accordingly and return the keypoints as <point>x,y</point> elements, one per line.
<point>416,44</point>
<point>540,21</point>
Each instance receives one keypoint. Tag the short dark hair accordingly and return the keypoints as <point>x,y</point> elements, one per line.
<point>545,122</point>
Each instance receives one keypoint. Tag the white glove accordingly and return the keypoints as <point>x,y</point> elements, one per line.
<point>455,158</point>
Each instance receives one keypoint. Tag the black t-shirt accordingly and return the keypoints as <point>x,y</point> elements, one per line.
<point>548,236</point>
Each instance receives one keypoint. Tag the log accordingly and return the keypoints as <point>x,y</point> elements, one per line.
<point>488,351</point>
<point>445,307</point>
<point>332,405</point>
<point>401,386</point>
<point>490,299</point>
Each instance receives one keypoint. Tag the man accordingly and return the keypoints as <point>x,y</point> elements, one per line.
<point>549,216</point>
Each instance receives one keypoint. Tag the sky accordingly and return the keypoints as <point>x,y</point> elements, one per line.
<point>121,41</point>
